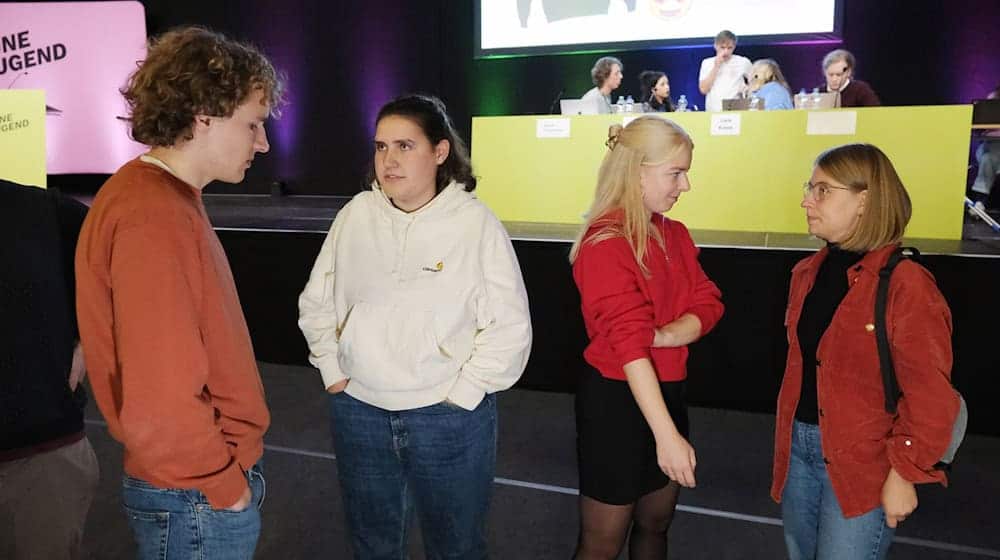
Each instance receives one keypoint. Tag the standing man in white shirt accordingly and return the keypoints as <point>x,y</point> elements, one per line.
<point>724,75</point>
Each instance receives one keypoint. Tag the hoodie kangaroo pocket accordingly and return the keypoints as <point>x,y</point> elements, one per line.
<point>393,347</point>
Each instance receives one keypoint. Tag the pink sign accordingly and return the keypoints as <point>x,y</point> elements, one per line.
<point>80,54</point>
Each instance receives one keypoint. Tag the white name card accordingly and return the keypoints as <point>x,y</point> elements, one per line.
<point>832,122</point>
<point>726,124</point>
<point>552,128</point>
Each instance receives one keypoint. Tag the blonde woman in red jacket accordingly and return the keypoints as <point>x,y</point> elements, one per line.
<point>845,470</point>
<point>644,299</point>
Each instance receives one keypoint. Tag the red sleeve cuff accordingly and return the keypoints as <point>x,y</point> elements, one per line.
<point>707,319</point>
<point>903,451</point>
<point>634,354</point>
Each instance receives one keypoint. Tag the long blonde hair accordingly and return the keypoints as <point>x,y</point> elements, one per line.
<point>647,140</point>
<point>767,70</point>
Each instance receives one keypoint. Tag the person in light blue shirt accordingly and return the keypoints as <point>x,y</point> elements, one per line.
<point>768,83</point>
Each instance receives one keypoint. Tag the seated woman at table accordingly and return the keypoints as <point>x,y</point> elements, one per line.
<point>654,90</point>
<point>768,83</point>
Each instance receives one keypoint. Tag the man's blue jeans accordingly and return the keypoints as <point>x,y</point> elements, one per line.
<point>179,524</point>
<point>439,459</point>
<point>815,527</point>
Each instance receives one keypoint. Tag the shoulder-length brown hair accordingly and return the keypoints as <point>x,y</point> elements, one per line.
<point>887,209</point>
<point>193,71</point>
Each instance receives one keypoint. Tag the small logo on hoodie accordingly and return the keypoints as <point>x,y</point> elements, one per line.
<point>438,267</point>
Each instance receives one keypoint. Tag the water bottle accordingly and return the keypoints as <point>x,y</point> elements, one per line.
<point>620,106</point>
<point>682,103</point>
<point>817,99</point>
<point>801,99</point>
<point>629,104</point>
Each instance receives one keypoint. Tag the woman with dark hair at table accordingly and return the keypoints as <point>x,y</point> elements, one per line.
<point>654,88</point>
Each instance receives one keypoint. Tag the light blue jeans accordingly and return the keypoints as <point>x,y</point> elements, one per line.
<point>815,527</point>
<point>438,460</point>
<point>988,157</point>
<point>171,523</point>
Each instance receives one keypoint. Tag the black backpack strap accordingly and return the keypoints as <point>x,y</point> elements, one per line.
<point>889,383</point>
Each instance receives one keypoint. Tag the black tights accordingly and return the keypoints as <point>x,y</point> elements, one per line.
<point>603,527</point>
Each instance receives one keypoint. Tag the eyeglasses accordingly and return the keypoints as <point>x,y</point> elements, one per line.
<point>819,191</point>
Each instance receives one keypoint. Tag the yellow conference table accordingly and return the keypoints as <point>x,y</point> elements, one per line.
<point>746,182</point>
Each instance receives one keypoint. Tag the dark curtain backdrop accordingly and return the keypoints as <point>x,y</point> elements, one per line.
<point>344,59</point>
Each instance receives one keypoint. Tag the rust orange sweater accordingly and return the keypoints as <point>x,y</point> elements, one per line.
<point>166,345</point>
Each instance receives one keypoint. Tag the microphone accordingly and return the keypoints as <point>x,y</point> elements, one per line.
<point>16,78</point>
<point>49,110</point>
<point>552,106</point>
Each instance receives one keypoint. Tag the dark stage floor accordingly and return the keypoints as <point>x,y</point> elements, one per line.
<point>534,515</point>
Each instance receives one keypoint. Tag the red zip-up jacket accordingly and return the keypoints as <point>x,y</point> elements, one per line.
<point>860,440</point>
<point>621,307</point>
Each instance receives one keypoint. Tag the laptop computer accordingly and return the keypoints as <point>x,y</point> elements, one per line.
<point>742,104</point>
<point>577,107</point>
<point>826,100</point>
<point>986,112</point>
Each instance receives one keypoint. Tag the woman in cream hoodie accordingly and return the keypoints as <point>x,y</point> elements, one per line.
<point>416,315</point>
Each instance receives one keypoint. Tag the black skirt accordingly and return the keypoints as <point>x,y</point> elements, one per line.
<point>616,452</point>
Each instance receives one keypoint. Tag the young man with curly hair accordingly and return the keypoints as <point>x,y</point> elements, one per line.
<point>164,337</point>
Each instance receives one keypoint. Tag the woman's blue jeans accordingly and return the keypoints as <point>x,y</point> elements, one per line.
<point>438,460</point>
<point>815,527</point>
<point>171,523</point>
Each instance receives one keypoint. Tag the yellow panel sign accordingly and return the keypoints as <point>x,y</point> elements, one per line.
<point>22,136</point>
<point>749,181</point>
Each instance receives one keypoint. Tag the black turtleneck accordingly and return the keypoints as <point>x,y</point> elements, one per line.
<point>817,312</point>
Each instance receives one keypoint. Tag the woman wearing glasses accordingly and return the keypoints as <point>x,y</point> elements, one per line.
<point>844,468</point>
<point>644,298</point>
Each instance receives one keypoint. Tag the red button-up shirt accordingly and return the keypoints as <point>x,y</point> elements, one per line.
<point>860,440</point>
